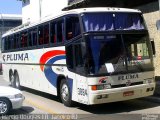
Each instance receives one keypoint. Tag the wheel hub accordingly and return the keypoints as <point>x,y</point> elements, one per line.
<point>65,92</point>
<point>3,107</point>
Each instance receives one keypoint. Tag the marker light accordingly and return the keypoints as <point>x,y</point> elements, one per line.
<point>101,87</point>
<point>94,87</point>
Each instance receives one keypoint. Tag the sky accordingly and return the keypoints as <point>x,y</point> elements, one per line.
<point>10,7</point>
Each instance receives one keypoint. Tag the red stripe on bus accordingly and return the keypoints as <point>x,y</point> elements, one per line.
<point>48,55</point>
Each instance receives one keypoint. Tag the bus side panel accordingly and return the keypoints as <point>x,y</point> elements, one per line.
<point>31,67</point>
<point>6,68</point>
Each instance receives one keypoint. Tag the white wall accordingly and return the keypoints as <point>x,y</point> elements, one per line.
<point>32,12</point>
<point>53,7</point>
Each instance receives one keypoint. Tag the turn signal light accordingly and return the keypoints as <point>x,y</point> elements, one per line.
<point>101,87</point>
<point>94,87</point>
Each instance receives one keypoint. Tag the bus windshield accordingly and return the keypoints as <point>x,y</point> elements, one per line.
<point>106,21</point>
<point>118,53</point>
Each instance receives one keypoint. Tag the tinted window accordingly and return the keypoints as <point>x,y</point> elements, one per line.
<point>53,32</point>
<point>40,35</point>
<point>32,37</point>
<point>72,27</point>
<point>24,39</point>
<point>60,30</point>
<point>46,34</point>
<point>69,52</point>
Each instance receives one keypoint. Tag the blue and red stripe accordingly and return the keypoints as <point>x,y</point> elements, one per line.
<point>46,62</point>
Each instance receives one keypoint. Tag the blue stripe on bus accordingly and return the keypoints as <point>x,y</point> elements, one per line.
<point>52,76</point>
<point>49,73</point>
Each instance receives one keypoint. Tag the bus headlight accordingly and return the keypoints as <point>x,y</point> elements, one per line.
<point>101,87</point>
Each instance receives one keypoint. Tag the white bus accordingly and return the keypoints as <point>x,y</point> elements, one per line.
<point>87,55</point>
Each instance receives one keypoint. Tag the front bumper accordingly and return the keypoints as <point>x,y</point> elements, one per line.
<point>17,102</point>
<point>117,94</point>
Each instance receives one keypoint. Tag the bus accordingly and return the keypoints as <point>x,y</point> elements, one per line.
<point>86,55</point>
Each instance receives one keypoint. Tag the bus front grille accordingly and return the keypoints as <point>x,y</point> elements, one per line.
<point>125,85</point>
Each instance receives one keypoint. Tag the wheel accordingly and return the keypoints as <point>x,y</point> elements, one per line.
<point>5,106</point>
<point>65,93</point>
<point>11,78</point>
<point>16,80</point>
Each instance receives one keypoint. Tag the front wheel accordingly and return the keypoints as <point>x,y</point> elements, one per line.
<point>4,106</point>
<point>65,93</point>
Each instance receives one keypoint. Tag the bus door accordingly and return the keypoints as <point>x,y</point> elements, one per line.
<point>75,62</point>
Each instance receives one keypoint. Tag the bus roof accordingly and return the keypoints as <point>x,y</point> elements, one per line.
<point>74,11</point>
<point>104,9</point>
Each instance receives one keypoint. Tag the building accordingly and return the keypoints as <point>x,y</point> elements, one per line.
<point>35,10</point>
<point>9,21</point>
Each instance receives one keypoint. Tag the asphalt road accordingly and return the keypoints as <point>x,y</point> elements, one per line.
<point>40,103</point>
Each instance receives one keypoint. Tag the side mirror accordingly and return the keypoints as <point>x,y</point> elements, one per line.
<point>153,47</point>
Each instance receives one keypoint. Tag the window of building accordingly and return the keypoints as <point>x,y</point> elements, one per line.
<point>25,2</point>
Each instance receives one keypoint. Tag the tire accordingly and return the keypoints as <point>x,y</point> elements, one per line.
<point>17,81</point>
<point>5,106</point>
<point>65,93</point>
<point>11,78</point>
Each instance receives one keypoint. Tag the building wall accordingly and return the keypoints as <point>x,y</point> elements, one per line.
<point>30,11</point>
<point>38,9</point>
<point>151,15</point>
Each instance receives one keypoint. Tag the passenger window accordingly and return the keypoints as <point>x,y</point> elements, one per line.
<point>6,43</point>
<point>46,34</point>
<point>15,42</point>
<point>11,42</point>
<point>18,40</point>
<point>60,30</point>
<point>72,27</point>
<point>53,32</point>
<point>32,37</point>
<point>24,39</point>
<point>3,44</point>
<point>40,35</point>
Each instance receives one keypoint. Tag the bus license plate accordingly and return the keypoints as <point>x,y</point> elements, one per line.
<point>128,93</point>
